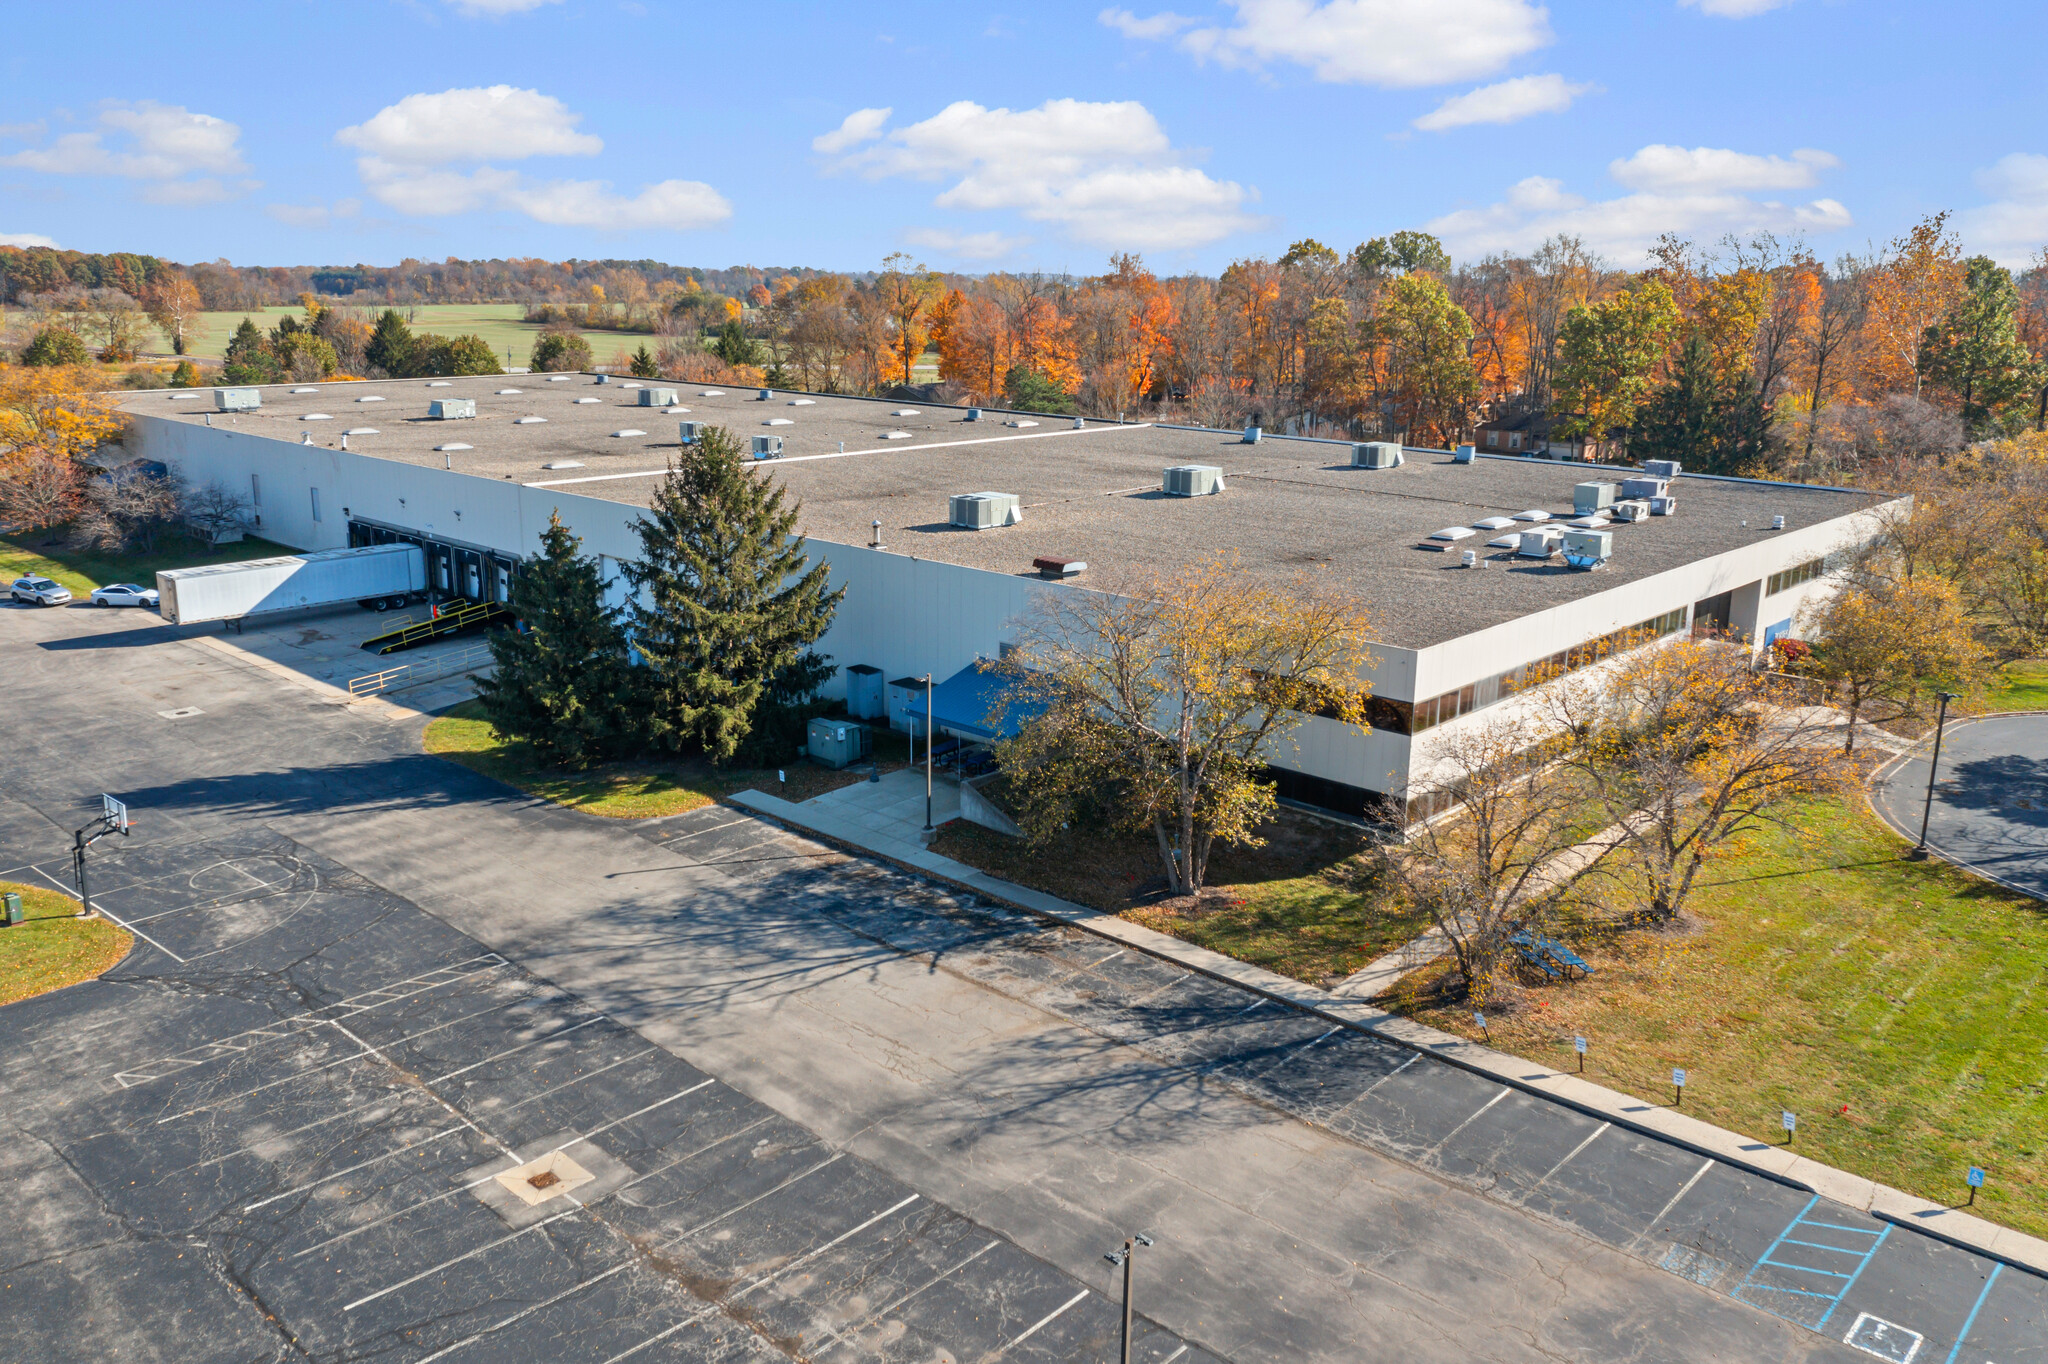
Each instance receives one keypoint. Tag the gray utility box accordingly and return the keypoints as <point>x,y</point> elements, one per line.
<point>1645,487</point>
<point>838,743</point>
<point>237,399</point>
<point>1376,454</point>
<point>1191,480</point>
<point>1588,548</point>
<point>1663,506</point>
<point>864,699</point>
<point>1663,468</point>
<point>448,409</point>
<point>1538,544</point>
<point>983,511</point>
<point>657,397</point>
<point>767,447</point>
<point>691,431</point>
<point>1588,498</point>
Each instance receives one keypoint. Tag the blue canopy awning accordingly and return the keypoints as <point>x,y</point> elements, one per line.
<point>967,703</point>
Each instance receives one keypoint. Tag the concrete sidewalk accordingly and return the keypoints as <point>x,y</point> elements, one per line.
<point>1950,1224</point>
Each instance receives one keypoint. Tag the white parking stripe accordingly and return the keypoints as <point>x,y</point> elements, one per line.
<point>832,1159</point>
<point>1568,1158</point>
<point>470,1254</point>
<point>889,1307</point>
<point>768,1278</point>
<point>243,1094</point>
<point>1665,1211</point>
<point>1468,1122</point>
<point>361,1165</point>
<point>1042,1323</point>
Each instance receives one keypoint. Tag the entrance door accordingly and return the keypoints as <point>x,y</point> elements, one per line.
<point>1713,616</point>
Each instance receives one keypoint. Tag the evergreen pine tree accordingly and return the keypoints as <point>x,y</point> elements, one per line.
<point>1975,351</point>
<point>643,363</point>
<point>563,682</point>
<point>390,347</point>
<point>1709,423</point>
<point>248,359</point>
<point>725,606</point>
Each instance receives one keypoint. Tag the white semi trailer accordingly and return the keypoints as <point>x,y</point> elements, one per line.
<point>378,575</point>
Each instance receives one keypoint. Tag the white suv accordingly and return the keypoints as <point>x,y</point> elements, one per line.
<point>39,592</point>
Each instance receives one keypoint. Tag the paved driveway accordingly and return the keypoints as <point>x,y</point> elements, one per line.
<point>1990,802</point>
<point>1316,1195</point>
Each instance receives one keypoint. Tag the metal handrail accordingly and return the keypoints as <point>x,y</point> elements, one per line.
<point>432,670</point>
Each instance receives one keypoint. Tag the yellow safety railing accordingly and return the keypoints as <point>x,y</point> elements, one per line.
<point>415,674</point>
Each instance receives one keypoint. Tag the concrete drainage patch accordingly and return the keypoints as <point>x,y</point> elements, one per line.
<point>544,1176</point>
<point>181,713</point>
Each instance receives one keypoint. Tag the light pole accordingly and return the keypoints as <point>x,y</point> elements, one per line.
<point>1919,853</point>
<point>1123,1258</point>
<point>927,752</point>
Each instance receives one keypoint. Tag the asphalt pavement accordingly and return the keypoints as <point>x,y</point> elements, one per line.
<point>1990,806</point>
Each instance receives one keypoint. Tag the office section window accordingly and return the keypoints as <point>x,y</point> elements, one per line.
<point>1792,577</point>
<point>1473,696</point>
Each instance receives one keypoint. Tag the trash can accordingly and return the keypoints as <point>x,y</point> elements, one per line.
<point>10,901</point>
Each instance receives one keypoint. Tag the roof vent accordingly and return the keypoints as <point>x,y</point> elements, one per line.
<point>1053,566</point>
<point>803,402</point>
<point>1192,480</point>
<point>984,511</point>
<point>305,390</point>
<point>1663,468</point>
<point>1540,543</point>
<point>237,399</point>
<point>371,398</point>
<point>305,438</point>
<point>1470,559</point>
<point>765,395</point>
<point>691,431</point>
<point>440,383</point>
<point>1020,423</point>
<point>508,392</point>
<point>1644,487</point>
<point>1587,549</point>
<point>1592,497</point>
<point>528,421</point>
<point>1663,506</point>
<point>580,401</point>
<point>973,415</point>
<point>560,378</point>
<point>316,417</point>
<point>447,409</point>
<point>906,412</point>
<point>1377,454</point>
<point>452,445</point>
<point>1080,423</point>
<point>767,447</point>
<point>654,397</point>
<point>1465,454</point>
<point>1252,434</point>
<point>1451,533</point>
<point>778,421</point>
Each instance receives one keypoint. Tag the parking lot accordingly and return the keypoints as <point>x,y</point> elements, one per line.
<point>285,1124</point>
<point>1990,809</point>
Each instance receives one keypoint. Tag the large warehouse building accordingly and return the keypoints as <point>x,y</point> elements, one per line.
<point>333,465</point>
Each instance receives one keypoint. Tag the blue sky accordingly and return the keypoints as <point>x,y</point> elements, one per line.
<point>1029,137</point>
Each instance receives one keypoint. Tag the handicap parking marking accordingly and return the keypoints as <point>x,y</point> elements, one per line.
<point>1812,1266</point>
<point>1886,1340</point>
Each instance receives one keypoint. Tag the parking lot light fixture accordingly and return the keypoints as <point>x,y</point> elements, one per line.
<point>1919,853</point>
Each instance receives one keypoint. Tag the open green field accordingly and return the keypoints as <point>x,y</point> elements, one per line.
<point>500,324</point>
<point>52,947</point>
<point>2022,686</point>
<point>83,570</point>
<point>1894,1006</point>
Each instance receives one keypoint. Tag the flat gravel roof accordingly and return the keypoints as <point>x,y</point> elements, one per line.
<point>1290,507</point>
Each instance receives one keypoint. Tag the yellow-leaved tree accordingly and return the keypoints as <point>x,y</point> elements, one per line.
<point>1155,705</point>
<point>1890,643</point>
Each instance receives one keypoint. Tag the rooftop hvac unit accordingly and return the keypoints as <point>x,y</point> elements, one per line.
<point>1192,480</point>
<point>1592,497</point>
<point>1538,544</point>
<point>1663,506</point>
<point>1252,434</point>
<point>1644,487</point>
<point>237,399</point>
<point>691,431</point>
<point>767,447</point>
<point>657,397</point>
<point>447,409</point>
<point>1663,468</point>
<point>1634,509</point>
<point>1465,454</point>
<point>1376,454</point>
<point>1588,548</point>
<point>984,511</point>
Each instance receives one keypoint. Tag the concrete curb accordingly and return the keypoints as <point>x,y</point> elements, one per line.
<point>1953,1225</point>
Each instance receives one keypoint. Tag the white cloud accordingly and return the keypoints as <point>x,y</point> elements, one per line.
<point>1505,102</point>
<point>1104,173</point>
<point>1397,43</point>
<point>976,246</point>
<point>1623,229</point>
<point>497,9</point>
<point>674,205</point>
<point>1666,169</point>
<point>420,154</point>
<point>2013,228</point>
<point>24,239</point>
<point>160,143</point>
<point>862,125</point>
<point>1162,25</point>
<point>1735,9</point>
<point>494,123</point>
<point>314,215</point>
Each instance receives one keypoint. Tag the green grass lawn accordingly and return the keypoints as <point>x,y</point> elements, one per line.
<point>1894,1006</point>
<point>628,790</point>
<point>1306,905</point>
<point>2024,686</point>
<point>83,570</point>
<point>52,947</point>
<point>500,324</point>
